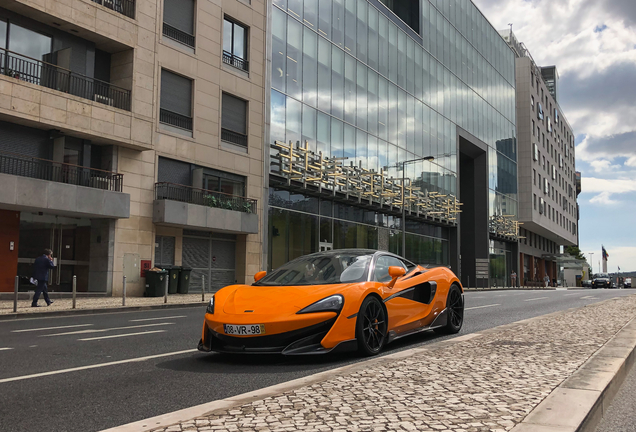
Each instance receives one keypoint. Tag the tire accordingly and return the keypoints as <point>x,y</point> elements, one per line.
<point>371,327</point>
<point>455,306</point>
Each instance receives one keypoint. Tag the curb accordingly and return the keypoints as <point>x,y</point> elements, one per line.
<point>24,315</point>
<point>586,395</point>
<point>511,289</point>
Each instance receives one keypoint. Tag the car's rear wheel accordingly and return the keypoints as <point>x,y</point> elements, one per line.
<point>454,310</point>
<point>371,327</point>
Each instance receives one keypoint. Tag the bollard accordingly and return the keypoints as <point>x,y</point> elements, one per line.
<point>203,288</point>
<point>165,293</point>
<point>74,289</point>
<point>123,293</point>
<point>15,293</point>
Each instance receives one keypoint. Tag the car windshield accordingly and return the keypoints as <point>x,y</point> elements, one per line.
<point>602,275</point>
<point>320,269</point>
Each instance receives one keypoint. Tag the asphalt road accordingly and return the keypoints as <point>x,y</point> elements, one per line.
<point>89,398</point>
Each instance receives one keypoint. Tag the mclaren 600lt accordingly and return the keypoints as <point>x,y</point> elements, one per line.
<point>331,301</point>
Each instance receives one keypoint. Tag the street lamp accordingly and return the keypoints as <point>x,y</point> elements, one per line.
<point>425,158</point>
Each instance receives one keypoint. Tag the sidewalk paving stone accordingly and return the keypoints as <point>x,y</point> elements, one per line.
<point>486,383</point>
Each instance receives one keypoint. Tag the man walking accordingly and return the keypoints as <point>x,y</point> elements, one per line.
<point>41,268</point>
<point>546,279</point>
<point>513,278</point>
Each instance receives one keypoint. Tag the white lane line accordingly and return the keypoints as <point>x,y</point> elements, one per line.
<point>565,295</point>
<point>478,297</point>
<point>5,349</point>
<point>108,329</point>
<point>586,297</point>
<point>159,318</point>
<point>121,335</point>
<point>538,298</point>
<point>51,328</point>
<point>99,365</point>
<point>479,307</point>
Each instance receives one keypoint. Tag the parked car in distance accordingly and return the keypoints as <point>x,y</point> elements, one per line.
<point>586,283</point>
<point>601,280</point>
<point>627,283</point>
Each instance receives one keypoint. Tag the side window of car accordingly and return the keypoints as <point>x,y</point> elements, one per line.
<point>381,271</point>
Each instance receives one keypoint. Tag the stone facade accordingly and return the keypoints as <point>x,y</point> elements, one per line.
<point>139,52</point>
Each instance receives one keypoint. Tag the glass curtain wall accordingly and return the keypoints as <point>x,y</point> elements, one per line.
<point>373,93</point>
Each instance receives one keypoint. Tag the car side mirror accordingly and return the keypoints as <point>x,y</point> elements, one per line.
<point>395,272</point>
<point>260,275</point>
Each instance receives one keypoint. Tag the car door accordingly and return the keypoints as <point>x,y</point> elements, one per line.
<point>409,302</point>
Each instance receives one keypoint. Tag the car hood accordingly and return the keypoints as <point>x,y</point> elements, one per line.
<point>276,299</point>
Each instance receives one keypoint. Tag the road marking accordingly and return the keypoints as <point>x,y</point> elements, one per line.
<point>121,335</point>
<point>478,297</point>
<point>159,318</point>
<point>586,297</point>
<point>538,298</point>
<point>105,330</point>
<point>5,349</point>
<point>565,295</point>
<point>99,365</point>
<point>479,307</point>
<point>51,328</point>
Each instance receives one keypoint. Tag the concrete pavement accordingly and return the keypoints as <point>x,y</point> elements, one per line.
<point>107,381</point>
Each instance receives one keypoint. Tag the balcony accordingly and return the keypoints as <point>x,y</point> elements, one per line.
<point>174,119</point>
<point>185,206</point>
<point>233,137</point>
<point>178,35</point>
<point>33,184</point>
<point>124,7</point>
<point>237,62</point>
<point>54,77</point>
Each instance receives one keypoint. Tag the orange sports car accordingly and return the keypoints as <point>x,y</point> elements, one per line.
<point>332,301</point>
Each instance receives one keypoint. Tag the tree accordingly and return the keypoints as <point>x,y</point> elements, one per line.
<point>575,252</point>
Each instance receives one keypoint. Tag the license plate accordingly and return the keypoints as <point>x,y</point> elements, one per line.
<point>244,330</point>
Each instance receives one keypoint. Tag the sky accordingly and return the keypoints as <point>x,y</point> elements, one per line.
<point>593,45</point>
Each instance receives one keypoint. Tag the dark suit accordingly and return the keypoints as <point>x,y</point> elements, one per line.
<point>41,268</point>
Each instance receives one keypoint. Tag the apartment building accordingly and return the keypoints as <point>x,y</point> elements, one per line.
<point>131,135</point>
<point>548,183</point>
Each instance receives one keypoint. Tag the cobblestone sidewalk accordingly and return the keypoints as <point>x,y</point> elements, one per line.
<point>63,304</point>
<point>488,383</point>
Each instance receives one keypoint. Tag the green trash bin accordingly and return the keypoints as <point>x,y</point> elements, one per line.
<point>184,280</point>
<point>155,283</point>
<point>173,276</point>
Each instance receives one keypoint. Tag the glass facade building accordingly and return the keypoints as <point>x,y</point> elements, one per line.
<point>354,81</point>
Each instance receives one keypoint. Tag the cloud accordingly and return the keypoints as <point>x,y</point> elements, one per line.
<point>609,147</point>
<point>603,198</point>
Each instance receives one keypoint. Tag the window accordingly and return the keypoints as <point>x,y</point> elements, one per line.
<point>532,102</point>
<point>235,45</point>
<point>533,131</point>
<point>234,120</point>
<point>539,111</point>
<point>227,183</point>
<point>382,264</point>
<point>176,100</point>
<point>534,200</point>
<point>178,21</point>
<point>535,153</point>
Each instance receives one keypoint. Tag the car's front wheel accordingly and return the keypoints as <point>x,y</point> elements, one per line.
<point>371,327</point>
<point>454,310</point>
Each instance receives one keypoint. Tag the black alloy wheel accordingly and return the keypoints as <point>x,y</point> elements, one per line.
<point>454,311</point>
<point>371,327</point>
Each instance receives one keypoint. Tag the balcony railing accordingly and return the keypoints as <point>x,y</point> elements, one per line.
<point>124,7</point>
<point>233,137</point>
<point>188,194</point>
<point>37,72</point>
<point>178,35</point>
<point>42,169</point>
<point>237,62</point>
<point>175,119</point>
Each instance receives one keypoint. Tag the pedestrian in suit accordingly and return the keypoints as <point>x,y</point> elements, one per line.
<point>41,268</point>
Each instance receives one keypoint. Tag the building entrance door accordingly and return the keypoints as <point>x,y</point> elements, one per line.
<point>211,255</point>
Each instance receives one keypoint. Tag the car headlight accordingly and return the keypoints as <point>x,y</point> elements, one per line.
<point>210,308</point>
<point>330,304</point>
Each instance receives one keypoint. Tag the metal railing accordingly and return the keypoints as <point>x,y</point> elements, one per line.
<point>233,137</point>
<point>43,169</point>
<point>124,7</point>
<point>178,35</point>
<point>237,62</point>
<point>175,119</point>
<point>188,194</point>
<point>44,74</point>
